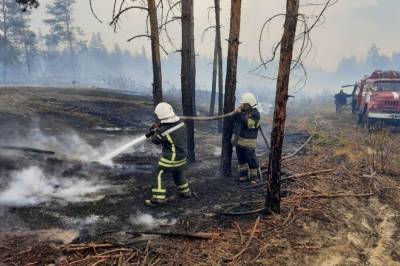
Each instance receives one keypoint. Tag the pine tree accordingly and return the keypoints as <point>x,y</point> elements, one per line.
<point>63,35</point>
<point>188,74</point>
<point>17,40</point>
<point>230,86</point>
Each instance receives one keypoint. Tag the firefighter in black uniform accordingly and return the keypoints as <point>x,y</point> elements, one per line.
<point>341,100</point>
<point>171,134</point>
<point>247,122</point>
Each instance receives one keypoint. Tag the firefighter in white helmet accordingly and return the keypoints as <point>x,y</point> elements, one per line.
<point>247,122</point>
<point>171,134</point>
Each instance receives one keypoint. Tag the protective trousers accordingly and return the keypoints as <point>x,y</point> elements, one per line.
<point>159,191</point>
<point>248,163</point>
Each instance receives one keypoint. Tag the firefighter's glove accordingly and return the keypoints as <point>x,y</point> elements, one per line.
<point>154,129</point>
<point>245,109</point>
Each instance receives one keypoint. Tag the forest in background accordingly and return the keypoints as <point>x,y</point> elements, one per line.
<point>65,55</point>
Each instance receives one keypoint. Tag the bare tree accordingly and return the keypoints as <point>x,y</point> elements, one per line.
<point>155,53</point>
<point>188,74</point>
<point>217,73</point>
<point>5,40</point>
<point>282,88</point>
<point>219,56</point>
<point>152,34</point>
<point>287,64</point>
<point>214,80</point>
<point>230,86</point>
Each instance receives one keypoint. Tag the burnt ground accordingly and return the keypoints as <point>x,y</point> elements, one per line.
<point>347,216</point>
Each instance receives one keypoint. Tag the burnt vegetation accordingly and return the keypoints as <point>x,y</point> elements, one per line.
<point>59,205</point>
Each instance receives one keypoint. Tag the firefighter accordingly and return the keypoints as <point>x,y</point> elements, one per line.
<point>171,134</point>
<point>247,122</point>
<point>341,100</point>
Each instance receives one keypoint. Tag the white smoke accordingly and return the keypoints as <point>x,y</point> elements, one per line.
<point>31,186</point>
<point>149,222</point>
<point>70,145</point>
<point>216,151</point>
<point>73,146</point>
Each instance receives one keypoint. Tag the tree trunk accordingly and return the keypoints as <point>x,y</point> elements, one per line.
<point>188,74</point>
<point>219,56</point>
<point>230,86</point>
<point>214,80</point>
<point>70,44</point>
<point>155,53</point>
<point>5,29</point>
<point>28,59</point>
<point>273,197</point>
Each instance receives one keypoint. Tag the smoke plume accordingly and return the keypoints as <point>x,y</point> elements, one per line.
<point>31,186</point>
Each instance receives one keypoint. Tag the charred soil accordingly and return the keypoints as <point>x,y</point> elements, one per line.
<point>337,210</point>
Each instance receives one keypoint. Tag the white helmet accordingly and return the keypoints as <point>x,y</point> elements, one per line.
<point>165,113</point>
<point>248,98</point>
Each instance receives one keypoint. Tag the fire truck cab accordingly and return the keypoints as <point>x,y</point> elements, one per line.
<point>376,98</point>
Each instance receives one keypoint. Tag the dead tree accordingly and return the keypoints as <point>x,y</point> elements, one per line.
<point>272,202</point>
<point>153,35</point>
<point>230,86</point>
<point>155,53</point>
<point>217,73</point>
<point>219,56</point>
<point>214,80</point>
<point>287,65</point>
<point>188,74</point>
<point>5,41</point>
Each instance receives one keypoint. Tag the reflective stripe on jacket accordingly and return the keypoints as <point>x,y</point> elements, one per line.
<point>247,125</point>
<point>174,145</point>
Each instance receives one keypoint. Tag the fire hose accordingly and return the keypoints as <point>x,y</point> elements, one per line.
<point>208,118</point>
<point>108,157</point>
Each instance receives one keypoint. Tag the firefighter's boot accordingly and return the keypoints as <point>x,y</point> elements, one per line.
<point>243,172</point>
<point>254,175</point>
<point>184,191</point>
<point>154,202</point>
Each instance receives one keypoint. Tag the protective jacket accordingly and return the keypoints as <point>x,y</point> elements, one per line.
<point>174,145</point>
<point>246,126</point>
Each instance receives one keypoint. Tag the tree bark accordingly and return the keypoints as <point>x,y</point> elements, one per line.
<point>70,44</point>
<point>155,53</point>
<point>219,56</point>
<point>273,196</point>
<point>5,29</point>
<point>230,86</point>
<point>214,80</point>
<point>188,74</point>
<point>28,58</point>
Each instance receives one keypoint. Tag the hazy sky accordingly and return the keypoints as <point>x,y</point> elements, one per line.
<point>350,28</point>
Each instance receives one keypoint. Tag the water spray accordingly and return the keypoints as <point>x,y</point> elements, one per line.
<point>106,159</point>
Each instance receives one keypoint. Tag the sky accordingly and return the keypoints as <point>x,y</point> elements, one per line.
<point>350,27</point>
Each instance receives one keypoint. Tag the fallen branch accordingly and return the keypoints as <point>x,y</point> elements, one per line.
<point>102,256</point>
<point>76,247</point>
<point>239,231</point>
<point>313,173</point>
<point>248,241</point>
<point>335,195</point>
<point>199,235</point>
<point>26,149</point>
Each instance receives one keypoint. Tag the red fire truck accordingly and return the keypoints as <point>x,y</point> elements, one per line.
<point>376,98</point>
